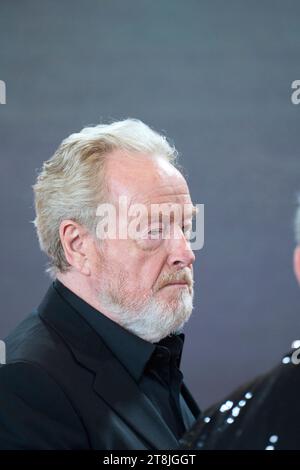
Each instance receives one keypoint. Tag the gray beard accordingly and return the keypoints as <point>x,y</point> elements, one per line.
<point>153,320</point>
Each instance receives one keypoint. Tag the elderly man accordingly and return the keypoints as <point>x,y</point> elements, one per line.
<point>263,414</point>
<point>97,365</point>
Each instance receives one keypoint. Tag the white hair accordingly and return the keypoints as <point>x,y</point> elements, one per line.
<point>72,182</point>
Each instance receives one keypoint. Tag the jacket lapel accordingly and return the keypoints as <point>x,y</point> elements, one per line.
<point>112,381</point>
<point>190,401</point>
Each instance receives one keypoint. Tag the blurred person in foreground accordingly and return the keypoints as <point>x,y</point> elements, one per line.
<point>262,414</point>
<point>97,364</point>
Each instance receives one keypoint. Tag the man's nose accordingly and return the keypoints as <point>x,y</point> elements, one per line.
<point>180,252</point>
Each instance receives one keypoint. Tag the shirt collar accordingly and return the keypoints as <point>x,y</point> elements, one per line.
<point>131,350</point>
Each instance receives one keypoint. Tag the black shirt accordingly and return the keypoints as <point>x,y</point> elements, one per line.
<point>154,366</point>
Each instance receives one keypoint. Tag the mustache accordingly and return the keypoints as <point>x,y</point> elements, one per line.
<point>182,276</point>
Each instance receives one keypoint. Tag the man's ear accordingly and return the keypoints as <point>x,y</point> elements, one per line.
<point>297,263</point>
<point>73,239</point>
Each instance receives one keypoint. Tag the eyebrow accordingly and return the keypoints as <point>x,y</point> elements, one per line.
<point>193,214</point>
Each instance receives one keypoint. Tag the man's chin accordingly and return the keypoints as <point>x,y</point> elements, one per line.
<point>181,300</point>
<point>181,314</point>
<point>159,317</point>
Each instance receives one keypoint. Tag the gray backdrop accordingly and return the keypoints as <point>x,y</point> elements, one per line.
<point>216,77</point>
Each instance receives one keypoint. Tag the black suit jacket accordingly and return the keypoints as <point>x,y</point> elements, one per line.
<point>62,388</point>
<point>262,414</point>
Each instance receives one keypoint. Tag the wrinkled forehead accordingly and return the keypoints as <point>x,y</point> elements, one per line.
<point>146,180</point>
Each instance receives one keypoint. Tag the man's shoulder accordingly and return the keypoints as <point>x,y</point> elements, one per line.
<point>265,393</point>
<point>32,340</point>
<point>35,411</point>
<point>282,380</point>
<point>266,406</point>
<point>35,389</point>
